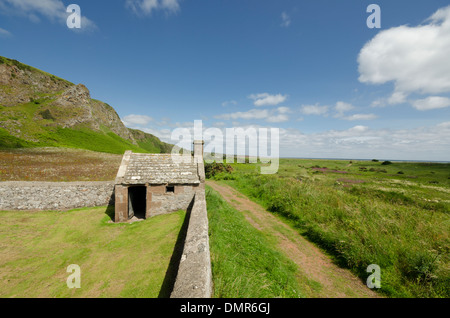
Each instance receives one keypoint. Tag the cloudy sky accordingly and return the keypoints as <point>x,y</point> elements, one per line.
<point>334,87</point>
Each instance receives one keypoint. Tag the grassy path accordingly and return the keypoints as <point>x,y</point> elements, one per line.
<point>317,274</point>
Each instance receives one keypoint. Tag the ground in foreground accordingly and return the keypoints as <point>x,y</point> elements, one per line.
<point>116,260</point>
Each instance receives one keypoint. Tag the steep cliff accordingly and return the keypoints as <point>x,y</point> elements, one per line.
<point>40,109</point>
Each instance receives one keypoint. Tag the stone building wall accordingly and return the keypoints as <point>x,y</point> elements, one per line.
<point>158,200</point>
<point>21,195</point>
<point>162,202</point>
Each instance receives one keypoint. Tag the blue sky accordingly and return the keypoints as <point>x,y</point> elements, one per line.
<point>334,87</point>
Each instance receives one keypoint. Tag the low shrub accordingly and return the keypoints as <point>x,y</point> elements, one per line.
<point>212,169</point>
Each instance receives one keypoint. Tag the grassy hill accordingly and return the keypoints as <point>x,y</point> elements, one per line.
<point>38,109</point>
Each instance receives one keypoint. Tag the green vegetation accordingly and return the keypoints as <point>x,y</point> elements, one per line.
<point>116,260</point>
<point>366,216</point>
<point>214,168</point>
<point>24,67</point>
<point>91,140</point>
<point>150,143</point>
<point>82,138</point>
<point>245,263</point>
<point>35,121</point>
<point>9,142</point>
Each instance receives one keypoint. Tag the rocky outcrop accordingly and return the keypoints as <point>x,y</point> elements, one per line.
<point>20,83</point>
<point>66,104</point>
<point>75,107</point>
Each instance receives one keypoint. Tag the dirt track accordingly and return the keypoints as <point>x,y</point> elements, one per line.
<point>317,274</point>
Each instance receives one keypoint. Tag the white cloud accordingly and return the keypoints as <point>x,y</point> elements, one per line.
<point>278,118</point>
<point>277,115</point>
<point>416,58</point>
<point>361,142</point>
<point>397,98</point>
<point>229,102</point>
<point>314,109</point>
<point>132,119</point>
<point>5,33</point>
<point>145,7</point>
<point>360,117</point>
<point>444,125</point>
<point>266,99</point>
<point>54,10</point>
<point>251,114</point>
<point>286,20</point>
<point>356,142</point>
<point>432,102</point>
<point>342,107</point>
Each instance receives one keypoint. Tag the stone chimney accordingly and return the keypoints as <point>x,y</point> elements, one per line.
<point>198,150</point>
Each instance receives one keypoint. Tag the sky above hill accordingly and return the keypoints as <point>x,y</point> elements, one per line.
<point>314,69</point>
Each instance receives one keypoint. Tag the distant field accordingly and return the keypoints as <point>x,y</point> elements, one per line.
<point>365,212</point>
<point>116,260</point>
<point>57,164</point>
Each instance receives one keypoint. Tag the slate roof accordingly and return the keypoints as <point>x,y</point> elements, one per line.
<point>138,168</point>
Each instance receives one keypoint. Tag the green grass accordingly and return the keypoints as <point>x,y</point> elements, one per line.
<point>91,140</point>
<point>10,142</point>
<point>45,134</point>
<point>245,263</point>
<point>150,143</point>
<point>116,260</point>
<point>81,138</point>
<point>398,221</point>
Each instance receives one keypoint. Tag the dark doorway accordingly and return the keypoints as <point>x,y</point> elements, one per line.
<point>137,202</point>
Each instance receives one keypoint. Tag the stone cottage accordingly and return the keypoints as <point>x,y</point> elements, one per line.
<point>151,184</point>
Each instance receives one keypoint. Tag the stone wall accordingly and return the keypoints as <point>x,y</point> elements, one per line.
<point>22,195</point>
<point>162,202</point>
<point>194,278</point>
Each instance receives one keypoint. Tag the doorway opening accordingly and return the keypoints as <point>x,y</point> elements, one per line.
<point>137,202</point>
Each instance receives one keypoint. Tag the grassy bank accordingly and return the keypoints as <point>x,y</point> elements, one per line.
<point>372,215</point>
<point>245,264</point>
<point>116,260</point>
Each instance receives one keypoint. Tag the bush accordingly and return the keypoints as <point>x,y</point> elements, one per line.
<point>212,169</point>
<point>419,266</point>
<point>386,163</point>
<point>46,114</point>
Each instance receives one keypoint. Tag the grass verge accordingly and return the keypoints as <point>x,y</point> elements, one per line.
<point>245,264</point>
<point>116,260</point>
